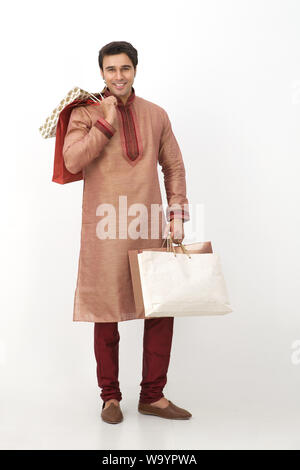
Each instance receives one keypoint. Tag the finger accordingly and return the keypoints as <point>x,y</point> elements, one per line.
<point>165,233</point>
<point>166,230</point>
<point>178,235</point>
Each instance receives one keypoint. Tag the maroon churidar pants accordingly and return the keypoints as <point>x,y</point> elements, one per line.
<point>157,342</point>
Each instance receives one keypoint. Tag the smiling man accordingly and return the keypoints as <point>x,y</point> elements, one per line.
<point>118,145</point>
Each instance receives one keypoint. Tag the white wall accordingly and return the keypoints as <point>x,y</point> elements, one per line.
<point>228,74</point>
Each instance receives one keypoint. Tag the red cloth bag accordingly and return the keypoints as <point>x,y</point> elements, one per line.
<point>60,173</point>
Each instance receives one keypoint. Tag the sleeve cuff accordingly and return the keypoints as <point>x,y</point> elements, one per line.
<point>178,214</point>
<point>105,127</point>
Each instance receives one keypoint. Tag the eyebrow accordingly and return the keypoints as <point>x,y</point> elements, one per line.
<point>112,66</point>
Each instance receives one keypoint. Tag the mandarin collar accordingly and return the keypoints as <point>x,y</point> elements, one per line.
<point>106,92</point>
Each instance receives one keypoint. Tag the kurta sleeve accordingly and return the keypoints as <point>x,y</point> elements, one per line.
<point>84,141</point>
<point>170,159</point>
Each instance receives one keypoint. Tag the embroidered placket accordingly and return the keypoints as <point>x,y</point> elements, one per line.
<point>129,131</point>
<point>131,142</point>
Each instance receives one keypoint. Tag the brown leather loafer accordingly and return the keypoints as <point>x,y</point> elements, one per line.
<point>112,414</point>
<point>170,412</point>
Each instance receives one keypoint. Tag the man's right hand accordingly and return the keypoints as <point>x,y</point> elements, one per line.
<point>108,106</point>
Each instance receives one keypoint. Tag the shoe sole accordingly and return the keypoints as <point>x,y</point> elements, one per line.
<point>111,422</point>
<point>159,416</point>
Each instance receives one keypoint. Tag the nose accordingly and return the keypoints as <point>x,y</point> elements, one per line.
<point>119,75</point>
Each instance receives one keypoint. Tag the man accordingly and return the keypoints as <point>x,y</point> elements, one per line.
<point>117,145</point>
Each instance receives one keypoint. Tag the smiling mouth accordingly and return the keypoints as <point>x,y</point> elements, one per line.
<point>120,86</point>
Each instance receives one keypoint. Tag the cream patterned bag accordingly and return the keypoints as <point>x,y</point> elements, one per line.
<point>48,129</point>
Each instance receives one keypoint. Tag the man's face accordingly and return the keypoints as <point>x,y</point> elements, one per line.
<point>118,69</point>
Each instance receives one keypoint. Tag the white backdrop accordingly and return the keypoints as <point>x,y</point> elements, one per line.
<point>228,74</point>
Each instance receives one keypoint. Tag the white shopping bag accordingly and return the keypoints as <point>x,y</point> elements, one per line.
<point>182,285</point>
<point>179,283</point>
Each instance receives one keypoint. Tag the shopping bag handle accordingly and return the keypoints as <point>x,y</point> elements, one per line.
<point>94,98</point>
<point>171,241</point>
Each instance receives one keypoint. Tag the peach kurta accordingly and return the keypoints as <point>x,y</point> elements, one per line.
<point>119,164</point>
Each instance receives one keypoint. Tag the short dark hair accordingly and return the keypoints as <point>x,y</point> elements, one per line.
<point>117,47</point>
